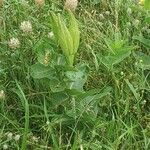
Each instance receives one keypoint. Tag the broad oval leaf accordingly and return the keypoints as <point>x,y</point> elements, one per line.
<point>143,40</point>
<point>39,71</point>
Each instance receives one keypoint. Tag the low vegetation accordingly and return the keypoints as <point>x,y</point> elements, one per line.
<point>74,75</point>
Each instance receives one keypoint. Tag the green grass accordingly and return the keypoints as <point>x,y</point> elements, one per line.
<point>112,111</point>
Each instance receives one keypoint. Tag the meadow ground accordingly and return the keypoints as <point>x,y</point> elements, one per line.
<point>99,103</point>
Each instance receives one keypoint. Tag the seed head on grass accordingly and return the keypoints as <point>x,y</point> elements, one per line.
<point>14,43</point>
<point>2,94</point>
<point>26,26</point>
<point>40,3</point>
<point>71,4</point>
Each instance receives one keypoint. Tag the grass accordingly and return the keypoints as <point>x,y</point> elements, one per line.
<point>111,113</point>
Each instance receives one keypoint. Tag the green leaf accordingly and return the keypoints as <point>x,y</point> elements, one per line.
<point>132,89</point>
<point>42,44</point>
<point>77,78</point>
<point>147,4</point>
<point>58,98</point>
<point>57,85</point>
<point>146,42</point>
<point>145,65</point>
<point>111,60</point>
<point>74,31</point>
<point>95,2</point>
<point>147,19</point>
<point>39,71</point>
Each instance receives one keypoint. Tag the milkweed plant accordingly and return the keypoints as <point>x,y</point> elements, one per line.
<point>59,66</point>
<point>68,38</point>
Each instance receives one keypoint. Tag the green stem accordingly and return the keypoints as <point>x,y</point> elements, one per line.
<point>70,60</point>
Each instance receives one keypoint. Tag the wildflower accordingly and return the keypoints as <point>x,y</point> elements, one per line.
<point>39,3</point>
<point>35,139</point>
<point>2,94</point>
<point>17,137</point>
<point>26,26</point>
<point>14,43</point>
<point>9,136</point>
<point>5,146</point>
<point>50,35</point>
<point>107,13</point>
<point>71,4</point>
<point>141,61</point>
<point>122,73</point>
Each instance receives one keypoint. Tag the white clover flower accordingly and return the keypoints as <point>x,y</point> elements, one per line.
<point>9,136</point>
<point>50,35</point>
<point>17,137</point>
<point>26,26</point>
<point>71,4</point>
<point>107,13</point>
<point>141,61</point>
<point>122,73</point>
<point>144,102</point>
<point>2,94</point>
<point>5,146</point>
<point>14,43</point>
<point>35,139</point>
